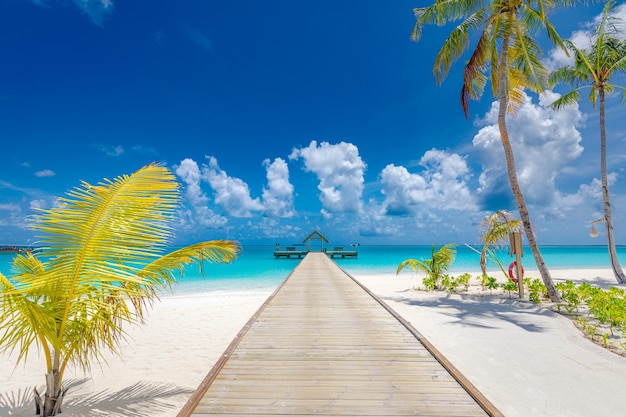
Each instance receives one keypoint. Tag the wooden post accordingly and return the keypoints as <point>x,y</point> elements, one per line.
<point>515,245</point>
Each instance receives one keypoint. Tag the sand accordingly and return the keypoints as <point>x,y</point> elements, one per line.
<point>526,359</point>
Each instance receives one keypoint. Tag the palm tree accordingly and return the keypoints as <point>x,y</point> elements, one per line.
<point>495,231</point>
<point>101,264</point>
<point>593,69</point>
<point>507,52</point>
<point>435,267</point>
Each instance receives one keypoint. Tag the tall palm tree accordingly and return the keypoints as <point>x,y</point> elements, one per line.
<point>495,231</point>
<point>101,264</point>
<point>505,51</point>
<point>594,69</point>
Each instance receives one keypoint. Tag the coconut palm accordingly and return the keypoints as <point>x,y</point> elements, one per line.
<point>435,267</point>
<point>495,230</point>
<point>593,69</point>
<point>506,51</point>
<point>102,263</point>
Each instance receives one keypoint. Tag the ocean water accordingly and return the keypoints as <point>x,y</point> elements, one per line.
<point>257,268</point>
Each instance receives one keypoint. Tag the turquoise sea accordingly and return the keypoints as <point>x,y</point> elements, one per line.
<point>257,268</point>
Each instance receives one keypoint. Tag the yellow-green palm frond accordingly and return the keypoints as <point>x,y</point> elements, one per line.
<point>593,68</point>
<point>495,228</point>
<point>474,79</point>
<point>102,260</point>
<point>439,262</point>
<point>444,257</point>
<point>24,319</point>
<point>525,57</point>
<point>414,264</point>
<point>159,274</point>
<point>516,96</point>
<point>456,44</point>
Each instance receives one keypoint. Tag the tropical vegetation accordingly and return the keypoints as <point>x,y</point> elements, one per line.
<point>594,69</point>
<point>495,230</point>
<point>507,52</point>
<point>435,267</point>
<point>102,262</point>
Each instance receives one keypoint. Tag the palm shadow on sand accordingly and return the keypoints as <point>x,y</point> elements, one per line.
<point>478,311</point>
<point>142,399</point>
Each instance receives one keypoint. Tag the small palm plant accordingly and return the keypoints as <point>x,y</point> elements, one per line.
<point>435,267</point>
<point>495,230</point>
<point>101,264</point>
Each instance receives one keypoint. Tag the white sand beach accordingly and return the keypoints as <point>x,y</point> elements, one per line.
<point>526,359</point>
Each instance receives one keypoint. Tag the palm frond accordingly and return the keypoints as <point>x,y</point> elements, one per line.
<point>474,80</point>
<point>102,262</point>
<point>411,263</point>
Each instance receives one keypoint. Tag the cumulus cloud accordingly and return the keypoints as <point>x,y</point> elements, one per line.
<point>544,142</point>
<point>278,195</point>
<point>340,171</point>
<point>189,172</point>
<point>45,173</point>
<point>200,213</point>
<point>442,185</point>
<point>584,37</point>
<point>231,193</point>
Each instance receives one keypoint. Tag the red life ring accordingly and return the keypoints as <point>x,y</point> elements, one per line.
<point>513,271</point>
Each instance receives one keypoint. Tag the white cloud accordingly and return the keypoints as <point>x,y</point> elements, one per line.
<point>583,38</point>
<point>45,173</point>
<point>96,10</point>
<point>441,186</point>
<point>38,204</point>
<point>189,172</point>
<point>231,193</point>
<point>12,214</point>
<point>340,171</point>
<point>110,150</point>
<point>199,214</point>
<point>544,142</point>
<point>278,196</point>
<point>587,195</point>
<point>9,207</point>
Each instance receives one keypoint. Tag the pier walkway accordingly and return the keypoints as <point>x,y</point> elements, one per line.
<point>323,345</point>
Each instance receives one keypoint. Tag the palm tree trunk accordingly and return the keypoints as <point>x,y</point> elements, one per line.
<point>510,164</point>
<point>483,261</point>
<point>54,391</point>
<point>608,220</point>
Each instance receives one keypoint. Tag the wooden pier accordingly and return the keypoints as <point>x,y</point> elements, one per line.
<point>322,345</point>
<point>300,250</point>
<point>337,251</point>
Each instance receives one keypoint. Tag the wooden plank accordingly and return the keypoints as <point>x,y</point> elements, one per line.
<point>323,345</point>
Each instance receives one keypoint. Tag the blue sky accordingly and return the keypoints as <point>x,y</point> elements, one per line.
<point>283,117</point>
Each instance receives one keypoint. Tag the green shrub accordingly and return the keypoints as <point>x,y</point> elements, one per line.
<point>570,294</point>
<point>536,290</point>
<point>510,286</point>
